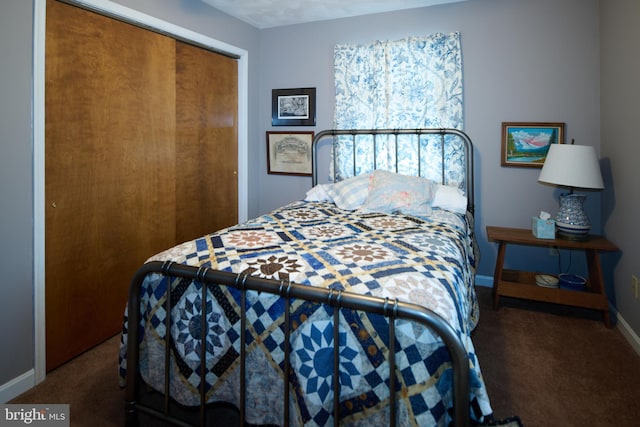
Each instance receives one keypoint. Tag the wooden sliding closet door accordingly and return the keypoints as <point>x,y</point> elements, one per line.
<point>109,170</point>
<point>140,154</point>
<point>206,141</point>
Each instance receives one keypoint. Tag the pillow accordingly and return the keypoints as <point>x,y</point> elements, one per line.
<point>390,193</point>
<point>318,194</point>
<point>450,198</point>
<point>350,194</point>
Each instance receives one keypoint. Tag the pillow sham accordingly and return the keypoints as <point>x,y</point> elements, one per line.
<point>450,198</point>
<point>391,193</point>
<point>350,193</point>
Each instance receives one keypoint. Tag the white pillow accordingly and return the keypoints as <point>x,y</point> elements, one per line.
<point>350,193</point>
<point>390,193</point>
<point>318,194</point>
<point>450,198</point>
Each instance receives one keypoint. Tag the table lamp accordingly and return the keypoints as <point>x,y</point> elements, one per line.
<point>572,166</point>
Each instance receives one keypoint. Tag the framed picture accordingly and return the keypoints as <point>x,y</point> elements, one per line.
<point>527,144</point>
<point>289,153</point>
<point>293,107</point>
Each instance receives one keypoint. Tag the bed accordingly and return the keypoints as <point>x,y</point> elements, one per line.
<point>380,260</point>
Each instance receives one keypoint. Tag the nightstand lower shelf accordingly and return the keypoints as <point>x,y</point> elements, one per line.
<point>522,284</point>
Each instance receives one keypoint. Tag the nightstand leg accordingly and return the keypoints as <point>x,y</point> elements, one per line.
<point>497,275</point>
<point>597,283</point>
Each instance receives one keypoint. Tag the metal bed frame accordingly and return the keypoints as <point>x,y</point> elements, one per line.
<point>393,309</point>
<point>467,146</point>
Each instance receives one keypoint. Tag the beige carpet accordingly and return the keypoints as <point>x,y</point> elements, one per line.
<point>550,366</point>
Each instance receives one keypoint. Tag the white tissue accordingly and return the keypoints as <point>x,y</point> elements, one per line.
<point>544,215</point>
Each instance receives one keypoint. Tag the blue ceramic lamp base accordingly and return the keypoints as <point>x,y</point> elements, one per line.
<point>571,221</point>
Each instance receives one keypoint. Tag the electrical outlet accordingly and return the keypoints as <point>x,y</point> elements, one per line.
<point>634,287</point>
<point>553,251</point>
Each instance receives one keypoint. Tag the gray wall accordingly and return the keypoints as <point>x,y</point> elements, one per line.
<point>619,94</point>
<point>523,60</point>
<point>16,190</point>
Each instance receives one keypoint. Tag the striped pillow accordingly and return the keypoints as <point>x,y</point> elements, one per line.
<point>350,193</point>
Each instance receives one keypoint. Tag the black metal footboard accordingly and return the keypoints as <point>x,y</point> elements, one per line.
<point>288,291</point>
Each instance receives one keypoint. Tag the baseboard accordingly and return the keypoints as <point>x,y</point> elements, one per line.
<point>485,281</point>
<point>17,386</point>
<point>628,333</point>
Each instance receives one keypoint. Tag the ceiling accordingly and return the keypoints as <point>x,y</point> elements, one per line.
<point>275,13</point>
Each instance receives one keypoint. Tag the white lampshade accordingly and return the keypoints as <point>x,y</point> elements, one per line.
<point>573,166</point>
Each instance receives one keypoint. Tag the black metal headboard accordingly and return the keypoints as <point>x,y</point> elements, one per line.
<point>453,147</point>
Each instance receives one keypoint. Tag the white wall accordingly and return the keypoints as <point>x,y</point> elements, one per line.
<point>523,60</point>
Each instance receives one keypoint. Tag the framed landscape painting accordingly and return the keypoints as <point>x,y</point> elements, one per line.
<point>526,144</point>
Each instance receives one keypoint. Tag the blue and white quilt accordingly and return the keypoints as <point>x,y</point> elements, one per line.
<point>423,260</point>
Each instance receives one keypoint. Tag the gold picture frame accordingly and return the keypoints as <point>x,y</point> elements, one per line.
<point>526,143</point>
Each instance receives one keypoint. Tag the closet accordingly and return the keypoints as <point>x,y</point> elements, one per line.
<point>140,154</point>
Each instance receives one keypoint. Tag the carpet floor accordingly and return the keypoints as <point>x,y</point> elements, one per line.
<point>547,364</point>
<point>556,366</point>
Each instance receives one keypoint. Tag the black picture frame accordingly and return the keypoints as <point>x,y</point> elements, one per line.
<point>293,107</point>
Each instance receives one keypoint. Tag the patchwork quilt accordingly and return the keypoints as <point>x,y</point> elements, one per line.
<point>423,260</point>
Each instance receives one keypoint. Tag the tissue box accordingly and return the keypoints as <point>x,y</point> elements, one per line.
<point>543,228</point>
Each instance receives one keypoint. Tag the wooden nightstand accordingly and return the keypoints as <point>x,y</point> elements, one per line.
<point>521,284</point>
